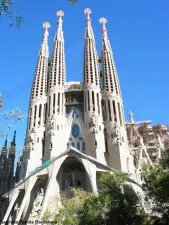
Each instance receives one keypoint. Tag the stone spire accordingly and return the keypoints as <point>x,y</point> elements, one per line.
<point>92,111</point>
<point>37,108</point>
<point>5,148</point>
<point>39,87</point>
<point>10,164</point>
<point>115,132</point>
<point>56,96</point>
<point>3,166</point>
<point>13,145</point>
<point>110,78</point>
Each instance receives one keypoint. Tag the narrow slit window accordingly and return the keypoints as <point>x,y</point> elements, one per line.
<point>85,102</point>
<point>93,100</point>
<point>49,106</point>
<point>109,110</point>
<point>119,113</point>
<point>58,102</point>
<point>54,99</point>
<point>45,112</point>
<point>114,111</point>
<point>35,115</point>
<point>98,105</point>
<point>88,101</point>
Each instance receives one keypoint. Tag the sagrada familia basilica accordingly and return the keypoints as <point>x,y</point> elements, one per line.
<point>76,131</point>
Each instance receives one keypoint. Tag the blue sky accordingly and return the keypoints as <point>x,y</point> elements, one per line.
<point>139,35</point>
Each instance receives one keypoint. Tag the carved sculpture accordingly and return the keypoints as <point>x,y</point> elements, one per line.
<point>38,202</point>
<point>93,125</point>
<point>116,133</point>
<point>31,140</point>
<point>117,141</point>
<point>51,126</point>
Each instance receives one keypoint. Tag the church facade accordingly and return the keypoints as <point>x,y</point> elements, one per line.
<point>76,130</point>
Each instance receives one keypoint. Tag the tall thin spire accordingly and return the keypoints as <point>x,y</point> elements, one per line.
<point>59,33</point>
<point>110,78</point>
<point>117,146</point>
<point>92,98</point>
<point>91,70</point>
<point>58,68</point>
<point>37,108</point>
<point>5,147</point>
<point>56,95</point>
<point>89,30</point>
<point>39,87</point>
<point>13,144</point>
<point>44,51</point>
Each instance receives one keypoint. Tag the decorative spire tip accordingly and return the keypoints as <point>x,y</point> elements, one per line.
<point>60,13</point>
<point>103,21</point>
<point>87,11</point>
<point>46,25</point>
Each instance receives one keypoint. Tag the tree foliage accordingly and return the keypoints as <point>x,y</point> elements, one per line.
<point>7,10</point>
<point>156,183</point>
<point>115,204</point>
<point>15,18</point>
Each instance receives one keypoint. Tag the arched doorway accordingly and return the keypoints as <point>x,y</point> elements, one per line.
<point>72,174</point>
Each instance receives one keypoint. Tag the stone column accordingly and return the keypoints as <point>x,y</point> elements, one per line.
<point>51,184</point>
<point>31,183</point>
<point>91,171</point>
<point>12,201</point>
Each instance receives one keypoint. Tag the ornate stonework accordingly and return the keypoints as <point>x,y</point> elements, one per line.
<point>52,126</point>
<point>93,124</point>
<point>38,202</point>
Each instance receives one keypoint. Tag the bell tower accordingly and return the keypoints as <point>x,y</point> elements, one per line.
<point>93,120</point>
<point>37,109</point>
<point>118,155</point>
<point>55,136</point>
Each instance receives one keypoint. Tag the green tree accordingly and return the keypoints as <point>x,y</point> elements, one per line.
<point>115,204</point>
<point>7,10</point>
<point>156,184</point>
<point>14,18</point>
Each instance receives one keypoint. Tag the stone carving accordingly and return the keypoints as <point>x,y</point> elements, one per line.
<point>116,130</point>
<point>31,140</point>
<point>116,134</point>
<point>72,181</point>
<point>93,124</point>
<point>51,126</point>
<point>38,202</point>
<point>117,141</point>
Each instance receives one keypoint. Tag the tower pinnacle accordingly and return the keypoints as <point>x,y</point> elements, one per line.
<point>44,46</point>
<point>89,31</point>
<point>87,12</point>
<point>46,25</point>
<point>103,21</point>
<point>59,33</point>
<point>60,13</point>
